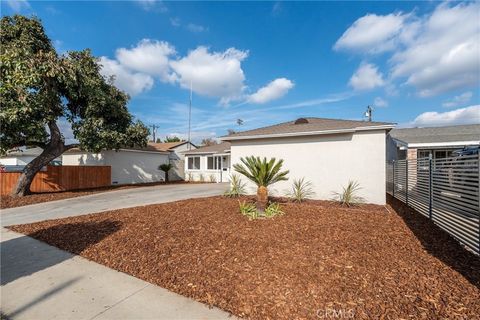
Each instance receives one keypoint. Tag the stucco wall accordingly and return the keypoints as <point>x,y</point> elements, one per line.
<point>328,161</point>
<point>127,166</point>
<point>217,175</point>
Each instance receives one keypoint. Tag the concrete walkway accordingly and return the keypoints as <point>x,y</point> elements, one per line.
<point>44,283</point>
<point>110,200</point>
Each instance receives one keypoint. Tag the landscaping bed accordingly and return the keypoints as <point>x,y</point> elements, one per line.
<point>8,201</point>
<point>317,259</point>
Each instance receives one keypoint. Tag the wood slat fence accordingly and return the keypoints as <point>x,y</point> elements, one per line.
<point>61,178</point>
<point>444,190</point>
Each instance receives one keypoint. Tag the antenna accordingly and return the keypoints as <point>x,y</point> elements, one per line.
<point>190,118</point>
<point>368,114</point>
<point>154,130</point>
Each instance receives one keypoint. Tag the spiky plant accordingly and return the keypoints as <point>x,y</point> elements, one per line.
<point>349,196</point>
<point>237,187</point>
<point>201,177</point>
<point>212,178</point>
<point>248,209</point>
<point>301,190</point>
<point>165,168</point>
<point>263,173</point>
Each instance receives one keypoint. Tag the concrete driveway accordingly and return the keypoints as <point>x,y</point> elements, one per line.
<point>111,200</point>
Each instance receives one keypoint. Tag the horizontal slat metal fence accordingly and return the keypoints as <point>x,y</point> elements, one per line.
<point>444,190</point>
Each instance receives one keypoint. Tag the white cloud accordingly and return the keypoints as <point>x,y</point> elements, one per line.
<point>214,74</point>
<point>366,77</point>
<point>380,103</point>
<point>18,5</point>
<point>434,53</point>
<point>149,56</point>
<point>175,22</point>
<point>131,82</point>
<point>372,33</point>
<point>468,115</point>
<point>458,100</point>
<point>149,5</point>
<point>196,28</point>
<point>272,91</point>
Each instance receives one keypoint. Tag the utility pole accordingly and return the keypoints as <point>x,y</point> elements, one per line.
<point>154,130</point>
<point>368,113</point>
<point>190,117</point>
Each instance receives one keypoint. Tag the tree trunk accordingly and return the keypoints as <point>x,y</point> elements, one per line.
<point>166,176</point>
<point>262,199</point>
<point>53,149</point>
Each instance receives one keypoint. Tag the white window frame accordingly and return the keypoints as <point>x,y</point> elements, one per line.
<point>193,163</point>
<point>217,163</point>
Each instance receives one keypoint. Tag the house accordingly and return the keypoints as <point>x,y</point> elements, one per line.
<point>129,165</point>
<point>210,163</point>
<point>434,142</point>
<point>177,157</point>
<point>20,157</point>
<point>327,152</point>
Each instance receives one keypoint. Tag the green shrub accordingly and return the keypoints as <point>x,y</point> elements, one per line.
<point>212,178</point>
<point>349,196</point>
<point>248,209</point>
<point>237,187</point>
<point>273,210</point>
<point>301,190</point>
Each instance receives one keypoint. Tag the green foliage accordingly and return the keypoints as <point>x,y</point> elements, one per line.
<point>172,139</point>
<point>260,171</point>
<point>201,177</point>
<point>212,178</point>
<point>301,190</point>
<point>165,167</point>
<point>248,209</point>
<point>273,210</point>
<point>40,87</point>
<point>349,196</point>
<point>237,187</point>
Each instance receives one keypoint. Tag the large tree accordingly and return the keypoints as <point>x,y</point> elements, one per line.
<point>40,88</point>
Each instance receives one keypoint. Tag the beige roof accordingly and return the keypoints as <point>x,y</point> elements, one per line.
<point>216,148</point>
<point>151,147</point>
<point>166,146</point>
<point>309,126</point>
<point>462,133</point>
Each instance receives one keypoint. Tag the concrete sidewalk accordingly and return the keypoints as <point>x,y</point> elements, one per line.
<point>110,200</point>
<point>42,282</point>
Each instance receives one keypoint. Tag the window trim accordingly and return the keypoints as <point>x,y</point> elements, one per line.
<point>193,163</point>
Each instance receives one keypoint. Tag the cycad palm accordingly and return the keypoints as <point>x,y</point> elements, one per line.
<point>165,168</point>
<point>263,173</point>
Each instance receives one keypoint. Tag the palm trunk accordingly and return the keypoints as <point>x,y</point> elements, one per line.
<point>166,176</point>
<point>262,199</point>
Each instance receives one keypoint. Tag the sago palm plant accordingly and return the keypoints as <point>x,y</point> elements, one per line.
<point>263,173</point>
<point>165,168</point>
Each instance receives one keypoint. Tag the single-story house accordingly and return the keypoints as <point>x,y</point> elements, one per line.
<point>327,152</point>
<point>129,165</point>
<point>210,163</point>
<point>177,157</point>
<point>22,156</point>
<point>434,142</point>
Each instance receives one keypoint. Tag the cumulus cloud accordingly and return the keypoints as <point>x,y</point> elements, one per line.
<point>458,100</point>
<point>380,103</point>
<point>131,82</point>
<point>468,115</point>
<point>213,74</point>
<point>434,53</point>
<point>366,77</point>
<point>272,91</point>
<point>149,5</point>
<point>18,5</point>
<point>196,28</point>
<point>150,57</point>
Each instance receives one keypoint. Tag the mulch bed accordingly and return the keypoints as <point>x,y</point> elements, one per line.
<point>316,261</point>
<point>13,202</point>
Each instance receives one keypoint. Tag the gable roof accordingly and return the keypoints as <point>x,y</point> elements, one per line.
<point>309,126</point>
<point>448,134</point>
<point>167,146</point>
<point>223,147</point>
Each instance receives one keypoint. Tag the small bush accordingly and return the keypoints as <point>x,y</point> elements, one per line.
<point>212,178</point>
<point>189,176</point>
<point>301,190</point>
<point>237,187</point>
<point>349,196</point>
<point>201,177</point>
<point>273,210</point>
<point>248,209</point>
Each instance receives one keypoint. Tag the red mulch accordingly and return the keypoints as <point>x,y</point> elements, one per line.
<point>318,258</point>
<point>7,201</point>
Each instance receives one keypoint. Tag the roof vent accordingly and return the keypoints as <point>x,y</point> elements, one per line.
<point>301,121</point>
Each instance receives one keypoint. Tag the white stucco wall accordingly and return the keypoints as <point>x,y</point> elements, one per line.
<point>328,161</point>
<point>127,166</point>
<point>218,175</point>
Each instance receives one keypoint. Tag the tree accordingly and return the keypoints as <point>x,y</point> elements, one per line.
<point>41,89</point>
<point>230,131</point>
<point>263,173</point>
<point>165,168</point>
<point>158,140</point>
<point>172,139</point>
<point>208,142</point>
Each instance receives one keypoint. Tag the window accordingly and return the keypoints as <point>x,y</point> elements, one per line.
<point>214,163</point>
<point>423,154</point>
<point>193,163</point>
<point>441,154</point>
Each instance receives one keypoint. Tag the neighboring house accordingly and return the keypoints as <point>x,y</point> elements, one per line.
<point>130,165</point>
<point>177,157</point>
<point>327,152</point>
<point>211,163</point>
<point>22,156</point>
<point>435,142</point>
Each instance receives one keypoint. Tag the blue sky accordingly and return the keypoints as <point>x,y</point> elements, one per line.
<point>416,63</point>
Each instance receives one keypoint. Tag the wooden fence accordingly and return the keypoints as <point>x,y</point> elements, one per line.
<point>61,178</point>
